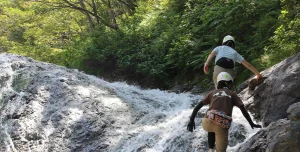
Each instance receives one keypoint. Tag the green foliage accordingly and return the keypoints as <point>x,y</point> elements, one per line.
<point>286,41</point>
<point>156,43</point>
<point>35,30</point>
<point>205,23</point>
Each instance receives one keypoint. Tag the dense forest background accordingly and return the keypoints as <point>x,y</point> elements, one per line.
<point>153,43</point>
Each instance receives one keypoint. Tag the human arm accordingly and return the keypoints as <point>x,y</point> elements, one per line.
<point>191,125</point>
<point>247,116</point>
<point>210,57</point>
<point>251,68</point>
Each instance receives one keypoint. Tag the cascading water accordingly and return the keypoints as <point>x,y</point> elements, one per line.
<point>162,119</point>
<point>45,107</point>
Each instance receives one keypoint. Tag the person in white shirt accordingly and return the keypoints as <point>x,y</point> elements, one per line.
<point>226,56</point>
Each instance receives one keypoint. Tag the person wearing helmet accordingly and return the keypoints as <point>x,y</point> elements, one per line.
<point>218,119</point>
<point>226,56</point>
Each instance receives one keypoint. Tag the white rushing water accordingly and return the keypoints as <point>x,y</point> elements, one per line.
<point>46,107</point>
<point>162,126</point>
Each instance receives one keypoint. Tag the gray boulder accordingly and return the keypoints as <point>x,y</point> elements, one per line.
<point>276,102</point>
<point>271,99</point>
<point>279,136</point>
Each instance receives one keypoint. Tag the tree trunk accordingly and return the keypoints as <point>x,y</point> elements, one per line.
<point>112,16</point>
<point>95,10</point>
<point>91,24</point>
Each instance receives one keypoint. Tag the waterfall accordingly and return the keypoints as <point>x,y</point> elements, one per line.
<point>162,118</point>
<point>45,107</point>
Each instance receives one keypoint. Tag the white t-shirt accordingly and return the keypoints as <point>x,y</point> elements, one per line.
<point>228,52</point>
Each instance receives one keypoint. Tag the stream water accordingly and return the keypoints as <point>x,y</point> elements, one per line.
<point>45,107</point>
<point>162,121</point>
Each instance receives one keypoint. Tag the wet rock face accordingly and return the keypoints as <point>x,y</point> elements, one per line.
<point>294,112</point>
<point>277,137</point>
<point>44,107</point>
<point>271,99</point>
<point>276,103</point>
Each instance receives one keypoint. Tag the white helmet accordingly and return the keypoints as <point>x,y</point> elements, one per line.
<point>228,38</point>
<point>224,76</point>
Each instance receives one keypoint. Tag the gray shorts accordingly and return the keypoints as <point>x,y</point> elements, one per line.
<point>218,70</point>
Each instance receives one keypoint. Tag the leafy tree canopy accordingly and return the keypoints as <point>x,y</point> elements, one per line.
<point>156,43</point>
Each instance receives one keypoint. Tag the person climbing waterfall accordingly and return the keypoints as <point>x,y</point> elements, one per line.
<point>218,119</point>
<point>226,56</point>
